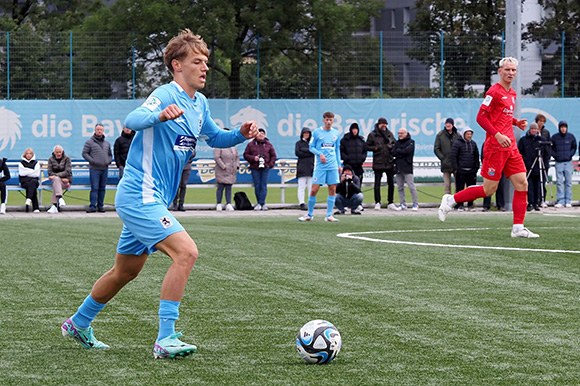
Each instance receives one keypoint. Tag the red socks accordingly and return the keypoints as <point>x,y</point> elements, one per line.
<point>519,206</point>
<point>470,194</point>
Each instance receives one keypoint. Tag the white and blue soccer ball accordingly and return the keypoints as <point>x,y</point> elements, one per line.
<point>318,342</point>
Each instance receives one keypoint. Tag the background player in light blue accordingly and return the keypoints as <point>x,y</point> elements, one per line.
<point>325,145</point>
<point>168,126</point>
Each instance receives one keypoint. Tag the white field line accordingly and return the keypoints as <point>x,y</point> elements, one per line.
<point>358,236</point>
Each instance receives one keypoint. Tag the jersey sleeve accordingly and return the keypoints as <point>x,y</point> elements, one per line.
<point>147,115</point>
<point>213,135</point>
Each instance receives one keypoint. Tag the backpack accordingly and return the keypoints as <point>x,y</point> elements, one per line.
<point>242,201</point>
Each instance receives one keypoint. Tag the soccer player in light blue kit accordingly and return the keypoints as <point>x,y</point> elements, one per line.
<point>168,126</point>
<point>325,145</point>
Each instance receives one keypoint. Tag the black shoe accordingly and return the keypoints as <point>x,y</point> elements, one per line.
<point>180,208</point>
<point>529,208</point>
<point>354,211</point>
<point>485,209</point>
<point>537,208</point>
<point>303,207</point>
<point>338,212</point>
<point>91,210</point>
<point>172,207</point>
<point>101,210</point>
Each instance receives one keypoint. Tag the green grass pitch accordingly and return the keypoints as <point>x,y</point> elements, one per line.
<point>408,313</point>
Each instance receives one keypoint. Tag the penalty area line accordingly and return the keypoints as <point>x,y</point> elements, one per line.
<point>356,236</point>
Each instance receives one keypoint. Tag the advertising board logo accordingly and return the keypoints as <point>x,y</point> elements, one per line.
<point>249,114</point>
<point>9,128</point>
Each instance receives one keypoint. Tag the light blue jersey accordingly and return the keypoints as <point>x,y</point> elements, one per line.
<point>160,150</point>
<point>325,142</point>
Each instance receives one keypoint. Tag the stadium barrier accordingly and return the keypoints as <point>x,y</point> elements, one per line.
<point>426,172</point>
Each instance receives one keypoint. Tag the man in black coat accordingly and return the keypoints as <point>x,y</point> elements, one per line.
<point>304,166</point>
<point>121,149</point>
<point>465,161</point>
<point>403,152</point>
<point>353,150</point>
<point>531,146</point>
<point>381,141</point>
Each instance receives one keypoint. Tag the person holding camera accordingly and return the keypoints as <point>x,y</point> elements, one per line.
<point>261,157</point>
<point>348,192</point>
<point>534,149</point>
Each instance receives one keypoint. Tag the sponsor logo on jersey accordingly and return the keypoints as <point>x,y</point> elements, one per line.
<point>487,100</point>
<point>327,145</point>
<point>152,103</point>
<point>185,143</point>
<point>165,222</point>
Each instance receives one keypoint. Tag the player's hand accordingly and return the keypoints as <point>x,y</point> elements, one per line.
<point>170,112</point>
<point>503,140</point>
<point>322,158</point>
<point>249,129</point>
<point>522,124</point>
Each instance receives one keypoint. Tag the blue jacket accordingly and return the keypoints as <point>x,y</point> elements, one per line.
<point>563,146</point>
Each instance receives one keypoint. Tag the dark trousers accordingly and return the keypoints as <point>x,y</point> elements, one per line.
<point>220,193</point>
<point>30,186</point>
<point>462,181</point>
<point>260,178</point>
<point>390,184</point>
<point>98,186</point>
<point>358,171</point>
<point>2,192</point>
<point>499,198</point>
<point>182,188</point>
<point>534,190</point>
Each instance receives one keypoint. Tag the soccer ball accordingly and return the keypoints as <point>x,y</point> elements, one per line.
<point>318,342</point>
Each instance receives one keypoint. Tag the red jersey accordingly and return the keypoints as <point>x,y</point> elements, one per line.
<point>500,104</point>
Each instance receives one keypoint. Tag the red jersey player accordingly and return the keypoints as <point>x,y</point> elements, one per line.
<point>496,117</point>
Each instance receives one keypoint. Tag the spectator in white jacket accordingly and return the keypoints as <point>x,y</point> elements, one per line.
<point>28,175</point>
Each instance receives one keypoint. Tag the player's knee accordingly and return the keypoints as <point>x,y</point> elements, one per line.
<point>187,257</point>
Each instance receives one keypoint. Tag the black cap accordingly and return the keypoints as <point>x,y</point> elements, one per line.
<point>450,120</point>
<point>382,120</point>
<point>262,130</point>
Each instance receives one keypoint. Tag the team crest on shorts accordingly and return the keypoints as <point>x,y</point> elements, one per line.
<point>165,222</point>
<point>491,171</point>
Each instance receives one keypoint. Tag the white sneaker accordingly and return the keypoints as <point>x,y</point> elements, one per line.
<point>558,206</point>
<point>415,207</point>
<point>52,209</point>
<point>544,205</point>
<point>218,207</point>
<point>568,205</point>
<point>378,206</point>
<point>36,211</point>
<point>61,202</point>
<point>306,217</point>
<point>402,207</point>
<point>229,208</point>
<point>331,219</point>
<point>360,208</point>
<point>258,207</point>
<point>2,208</point>
<point>28,202</point>
<point>264,207</point>
<point>444,208</point>
<point>524,233</point>
<point>392,206</point>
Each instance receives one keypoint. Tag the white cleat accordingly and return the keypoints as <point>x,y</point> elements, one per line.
<point>306,217</point>
<point>444,208</point>
<point>524,233</point>
<point>331,219</point>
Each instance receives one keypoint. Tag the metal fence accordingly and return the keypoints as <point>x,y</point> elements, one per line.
<point>389,64</point>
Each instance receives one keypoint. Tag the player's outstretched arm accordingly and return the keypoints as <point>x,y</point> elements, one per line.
<point>521,123</point>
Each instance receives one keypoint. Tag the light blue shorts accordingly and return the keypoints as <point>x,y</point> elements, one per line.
<point>144,225</point>
<point>328,177</point>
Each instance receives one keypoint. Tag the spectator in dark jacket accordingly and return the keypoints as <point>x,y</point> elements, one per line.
<point>353,150</point>
<point>404,151</point>
<point>60,175</point>
<point>121,149</point>
<point>348,192</point>
<point>381,141</point>
<point>465,161</point>
<point>442,148</point>
<point>261,157</point>
<point>97,151</point>
<point>304,166</point>
<point>532,146</point>
<point>5,177</point>
<point>563,149</point>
